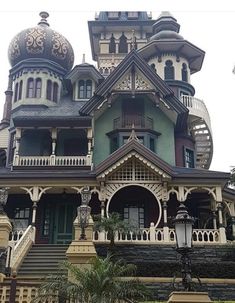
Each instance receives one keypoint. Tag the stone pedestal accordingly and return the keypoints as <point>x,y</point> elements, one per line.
<point>188,297</point>
<point>81,252</point>
<point>5,229</point>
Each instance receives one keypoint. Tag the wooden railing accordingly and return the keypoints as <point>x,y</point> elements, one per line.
<point>29,161</point>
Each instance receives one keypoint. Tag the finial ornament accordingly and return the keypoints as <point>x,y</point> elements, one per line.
<point>133,135</point>
<point>83,58</point>
<point>44,16</point>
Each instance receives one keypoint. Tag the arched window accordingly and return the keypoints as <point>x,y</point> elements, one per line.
<point>16,92</point>
<point>81,89</point>
<point>184,72</point>
<point>55,92</point>
<point>112,45</point>
<point>38,88</point>
<point>169,71</point>
<point>88,89</point>
<point>123,47</point>
<point>30,88</point>
<point>49,90</point>
<point>20,90</point>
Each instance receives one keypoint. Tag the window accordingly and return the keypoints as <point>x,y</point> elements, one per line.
<point>189,158</point>
<point>38,87</point>
<point>46,222</point>
<point>84,89</point>
<point>30,88</point>
<point>123,47</point>
<point>55,92</point>
<point>20,90</point>
<point>52,91</point>
<point>169,71</point>
<point>21,218</point>
<point>153,67</point>
<point>113,15</point>
<point>132,15</point>
<point>16,92</point>
<point>184,72</point>
<point>112,45</point>
<point>134,215</point>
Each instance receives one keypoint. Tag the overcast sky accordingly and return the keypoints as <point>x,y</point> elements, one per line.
<point>210,25</point>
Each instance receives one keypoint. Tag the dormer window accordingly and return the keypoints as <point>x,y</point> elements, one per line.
<point>84,89</point>
<point>169,71</point>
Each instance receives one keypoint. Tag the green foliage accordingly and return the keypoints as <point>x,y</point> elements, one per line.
<point>112,224</point>
<point>103,282</point>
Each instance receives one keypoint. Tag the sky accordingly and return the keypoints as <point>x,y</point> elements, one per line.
<point>210,25</point>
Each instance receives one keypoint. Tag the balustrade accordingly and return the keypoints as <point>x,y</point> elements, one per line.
<point>29,161</point>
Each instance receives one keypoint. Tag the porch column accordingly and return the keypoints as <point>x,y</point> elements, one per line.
<point>89,147</point>
<point>165,223</point>
<point>53,145</point>
<point>17,146</point>
<point>164,207</point>
<point>102,206</point>
<point>214,219</point>
<point>233,227</point>
<point>221,226</point>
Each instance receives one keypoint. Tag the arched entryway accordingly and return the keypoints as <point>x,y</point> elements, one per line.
<point>136,205</point>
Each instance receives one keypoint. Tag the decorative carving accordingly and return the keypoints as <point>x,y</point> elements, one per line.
<point>60,46</point>
<point>14,49</point>
<point>141,84</point>
<point>35,192</point>
<point>35,39</point>
<point>125,84</point>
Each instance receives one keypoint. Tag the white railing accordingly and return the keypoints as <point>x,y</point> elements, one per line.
<point>197,108</point>
<point>15,235</point>
<point>152,235</point>
<point>52,160</point>
<point>21,248</point>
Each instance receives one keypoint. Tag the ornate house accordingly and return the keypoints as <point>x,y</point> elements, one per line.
<point>131,130</point>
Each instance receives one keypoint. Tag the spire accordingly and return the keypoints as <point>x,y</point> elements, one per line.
<point>44,16</point>
<point>83,58</point>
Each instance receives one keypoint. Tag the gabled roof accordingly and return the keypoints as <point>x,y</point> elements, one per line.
<point>84,68</point>
<point>180,174</point>
<point>133,60</point>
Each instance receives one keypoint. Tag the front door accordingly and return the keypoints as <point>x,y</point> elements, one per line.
<point>63,223</point>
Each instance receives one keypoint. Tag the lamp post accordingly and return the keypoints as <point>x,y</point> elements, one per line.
<point>84,211</point>
<point>183,230</point>
<point>3,199</point>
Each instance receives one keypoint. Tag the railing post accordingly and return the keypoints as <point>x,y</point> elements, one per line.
<point>166,237</point>
<point>152,232</point>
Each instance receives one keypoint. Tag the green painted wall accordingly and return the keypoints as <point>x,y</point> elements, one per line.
<point>165,147</point>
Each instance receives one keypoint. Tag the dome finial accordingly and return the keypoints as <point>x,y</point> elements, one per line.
<point>44,16</point>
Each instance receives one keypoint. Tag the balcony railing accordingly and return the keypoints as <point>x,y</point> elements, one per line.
<point>42,161</point>
<point>129,121</point>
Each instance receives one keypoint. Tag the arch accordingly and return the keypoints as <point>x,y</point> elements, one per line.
<point>123,46</point>
<point>184,72</point>
<point>144,186</point>
<point>169,71</point>
<point>112,45</point>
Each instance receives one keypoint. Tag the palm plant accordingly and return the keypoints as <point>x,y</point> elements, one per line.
<point>112,225</point>
<point>103,282</point>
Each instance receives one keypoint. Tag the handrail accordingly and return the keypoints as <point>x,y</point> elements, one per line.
<point>21,248</point>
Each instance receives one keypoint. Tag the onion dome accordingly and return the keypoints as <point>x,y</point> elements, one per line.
<point>41,43</point>
<point>166,27</point>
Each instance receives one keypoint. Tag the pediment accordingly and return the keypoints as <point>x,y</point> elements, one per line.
<point>133,80</point>
<point>134,168</point>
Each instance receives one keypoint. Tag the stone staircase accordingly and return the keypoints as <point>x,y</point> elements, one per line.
<point>42,260</point>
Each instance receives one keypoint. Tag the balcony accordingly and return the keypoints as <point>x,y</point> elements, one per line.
<point>200,127</point>
<point>128,121</point>
<point>45,161</point>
